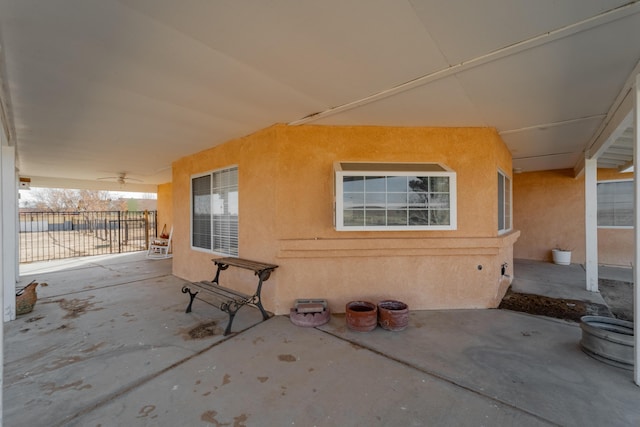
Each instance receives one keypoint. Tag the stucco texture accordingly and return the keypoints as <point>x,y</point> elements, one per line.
<point>286,218</point>
<point>165,206</point>
<point>548,209</point>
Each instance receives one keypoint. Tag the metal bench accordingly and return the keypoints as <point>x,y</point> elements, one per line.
<point>229,300</point>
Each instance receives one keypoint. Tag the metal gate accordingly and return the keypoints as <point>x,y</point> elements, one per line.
<point>46,236</point>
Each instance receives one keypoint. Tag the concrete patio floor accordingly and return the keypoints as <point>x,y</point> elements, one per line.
<point>108,344</point>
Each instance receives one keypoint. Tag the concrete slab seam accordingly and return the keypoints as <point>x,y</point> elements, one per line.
<point>110,286</point>
<point>545,318</point>
<point>441,377</point>
<point>144,380</point>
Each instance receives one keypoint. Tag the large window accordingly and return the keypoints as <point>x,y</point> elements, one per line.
<point>395,196</point>
<point>214,207</point>
<point>504,203</point>
<point>615,204</point>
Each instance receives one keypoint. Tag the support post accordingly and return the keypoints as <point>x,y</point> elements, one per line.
<point>2,268</point>
<point>636,229</point>
<point>591,222</point>
<point>8,193</point>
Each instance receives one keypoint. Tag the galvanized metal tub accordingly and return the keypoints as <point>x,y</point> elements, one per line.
<point>608,340</point>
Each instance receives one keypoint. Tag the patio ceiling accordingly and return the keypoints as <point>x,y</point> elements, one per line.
<point>97,88</point>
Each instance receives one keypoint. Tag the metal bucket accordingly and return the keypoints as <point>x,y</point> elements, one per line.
<point>608,340</point>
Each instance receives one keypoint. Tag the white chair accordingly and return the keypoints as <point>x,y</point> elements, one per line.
<point>160,248</point>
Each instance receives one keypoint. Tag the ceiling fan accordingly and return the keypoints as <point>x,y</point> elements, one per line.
<point>122,178</point>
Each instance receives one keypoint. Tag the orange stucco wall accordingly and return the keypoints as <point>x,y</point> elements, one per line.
<point>548,209</point>
<point>615,247</point>
<point>286,217</point>
<point>165,206</point>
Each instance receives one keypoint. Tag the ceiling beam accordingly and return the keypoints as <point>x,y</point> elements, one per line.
<point>615,149</point>
<point>614,126</point>
<point>539,40</point>
<point>609,165</point>
<point>553,124</point>
<point>608,155</point>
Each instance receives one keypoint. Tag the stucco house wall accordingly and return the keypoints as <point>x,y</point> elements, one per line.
<point>286,217</point>
<point>548,209</point>
<point>165,206</point>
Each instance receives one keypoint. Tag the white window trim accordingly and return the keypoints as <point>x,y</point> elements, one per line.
<point>507,230</point>
<point>191,178</point>
<point>199,175</point>
<point>339,174</point>
<point>614,227</point>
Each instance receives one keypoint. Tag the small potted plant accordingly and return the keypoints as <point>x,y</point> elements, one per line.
<point>561,256</point>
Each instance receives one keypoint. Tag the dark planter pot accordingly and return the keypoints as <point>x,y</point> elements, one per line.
<point>362,316</point>
<point>393,315</point>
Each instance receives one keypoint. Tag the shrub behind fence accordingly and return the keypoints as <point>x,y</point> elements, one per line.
<point>47,236</point>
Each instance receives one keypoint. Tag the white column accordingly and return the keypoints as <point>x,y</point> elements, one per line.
<point>591,222</point>
<point>3,265</point>
<point>636,229</point>
<point>9,231</point>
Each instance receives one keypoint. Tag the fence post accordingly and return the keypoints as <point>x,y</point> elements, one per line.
<point>119,234</point>
<point>146,228</point>
<point>106,230</point>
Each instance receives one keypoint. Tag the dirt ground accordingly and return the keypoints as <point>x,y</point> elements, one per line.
<point>618,296</point>
<point>544,306</point>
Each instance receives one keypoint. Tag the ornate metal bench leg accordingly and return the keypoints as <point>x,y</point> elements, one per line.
<point>263,276</point>
<point>265,316</point>
<point>221,267</point>
<point>227,331</point>
<point>231,308</point>
<point>192,295</point>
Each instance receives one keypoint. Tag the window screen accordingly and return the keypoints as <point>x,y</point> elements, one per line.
<point>504,203</point>
<point>615,204</point>
<point>215,211</point>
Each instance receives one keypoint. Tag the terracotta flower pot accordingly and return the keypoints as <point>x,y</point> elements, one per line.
<point>393,315</point>
<point>362,316</point>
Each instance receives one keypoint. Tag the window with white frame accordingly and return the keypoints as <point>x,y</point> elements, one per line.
<point>504,203</point>
<point>214,211</point>
<point>615,204</point>
<point>394,196</point>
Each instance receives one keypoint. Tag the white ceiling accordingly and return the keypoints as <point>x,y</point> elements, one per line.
<point>97,88</point>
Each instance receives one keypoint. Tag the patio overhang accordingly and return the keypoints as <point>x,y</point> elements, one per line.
<point>612,145</point>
